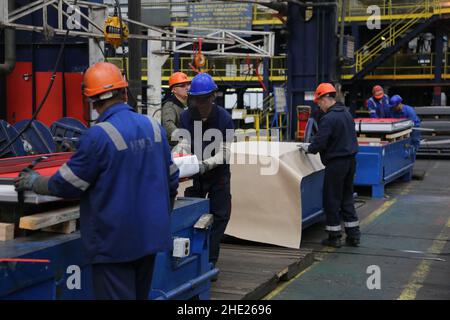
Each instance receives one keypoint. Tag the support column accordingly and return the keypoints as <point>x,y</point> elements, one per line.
<point>439,48</point>
<point>240,97</point>
<point>266,71</point>
<point>98,15</point>
<point>135,52</point>
<point>155,61</point>
<point>176,62</point>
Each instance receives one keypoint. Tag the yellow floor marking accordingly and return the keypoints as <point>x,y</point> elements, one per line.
<point>285,284</point>
<point>422,271</point>
<point>366,221</point>
<point>371,217</point>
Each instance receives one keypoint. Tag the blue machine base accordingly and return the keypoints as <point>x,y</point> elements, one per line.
<point>377,166</point>
<point>68,274</point>
<point>311,190</point>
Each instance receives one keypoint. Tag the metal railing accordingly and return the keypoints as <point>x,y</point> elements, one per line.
<point>398,66</point>
<point>221,68</point>
<point>406,66</point>
<point>386,38</point>
<point>391,9</point>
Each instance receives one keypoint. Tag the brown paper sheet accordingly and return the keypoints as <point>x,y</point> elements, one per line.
<point>267,208</point>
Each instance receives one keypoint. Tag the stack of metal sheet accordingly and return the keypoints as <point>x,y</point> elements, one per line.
<point>381,125</point>
<point>435,142</point>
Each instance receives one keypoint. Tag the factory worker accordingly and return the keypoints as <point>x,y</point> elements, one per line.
<point>378,104</point>
<point>400,110</point>
<point>179,85</point>
<point>214,178</point>
<point>337,144</point>
<point>126,181</point>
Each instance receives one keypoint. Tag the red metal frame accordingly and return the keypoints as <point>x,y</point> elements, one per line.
<point>11,167</point>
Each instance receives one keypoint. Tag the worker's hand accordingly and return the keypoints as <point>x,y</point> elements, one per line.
<point>26,180</point>
<point>303,147</point>
<point>202,168</point>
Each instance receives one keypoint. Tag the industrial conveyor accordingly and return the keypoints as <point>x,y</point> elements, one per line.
<point>41,265</point>
<point>60,270</point>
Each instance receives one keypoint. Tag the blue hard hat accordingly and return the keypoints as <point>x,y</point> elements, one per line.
<point>202,84</point>
<point>395,100</point>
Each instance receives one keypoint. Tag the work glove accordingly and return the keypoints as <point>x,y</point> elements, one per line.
<point>203,167</point>
<point>303,147</point>
<point>25,180</point>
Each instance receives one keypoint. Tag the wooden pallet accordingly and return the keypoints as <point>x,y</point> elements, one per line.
<point>377,138</point>
<point>252,272</point>
<point>6,231</point>
<point>62,220</point>
<point>398,135</point>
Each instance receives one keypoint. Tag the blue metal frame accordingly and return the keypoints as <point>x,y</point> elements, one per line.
<point>7,133</point>
<point>377,166</point>
<point>174,278</point>
<point>184,278</point>
<point>67,131</point>
<point>38,136</point>
<point>311,190</point>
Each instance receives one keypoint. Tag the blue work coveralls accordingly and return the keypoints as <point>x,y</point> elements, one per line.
<point>409,113</point>
<point>379,108</point>
<point>125,178</point>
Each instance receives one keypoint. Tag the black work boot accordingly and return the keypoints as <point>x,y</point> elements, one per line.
<point>332,241</point>
<point>352,242</point>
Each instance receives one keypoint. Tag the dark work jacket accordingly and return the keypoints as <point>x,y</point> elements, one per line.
<point>219,119</point>
<point>336,136</point>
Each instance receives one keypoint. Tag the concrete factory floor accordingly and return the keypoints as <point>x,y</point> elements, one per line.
<point>406,235</point>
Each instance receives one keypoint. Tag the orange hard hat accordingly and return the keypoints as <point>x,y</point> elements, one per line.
<point>323,89</point>
<point>102,77</point>
<point>178,78</point>
<point>377,92</point>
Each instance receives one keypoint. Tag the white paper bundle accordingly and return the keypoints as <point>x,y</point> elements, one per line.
<point>188,165</point>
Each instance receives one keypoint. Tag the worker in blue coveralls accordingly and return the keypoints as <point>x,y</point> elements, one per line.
<point>400,110</point>
<point>378,104</point>
<point>337,144</point>
<point>126,181</point>
<point>202,121</point>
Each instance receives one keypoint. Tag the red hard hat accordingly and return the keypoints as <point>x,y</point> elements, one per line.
<point>178,78</point>
<point>377,92</point>
<point>102,77</point>
<point>323,89</point>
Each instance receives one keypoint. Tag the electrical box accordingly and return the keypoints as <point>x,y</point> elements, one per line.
<point>181,247</point>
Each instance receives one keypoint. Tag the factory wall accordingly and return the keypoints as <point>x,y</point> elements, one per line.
<point>26,85</point>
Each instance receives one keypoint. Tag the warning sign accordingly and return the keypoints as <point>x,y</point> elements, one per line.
<point>237,16</point>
